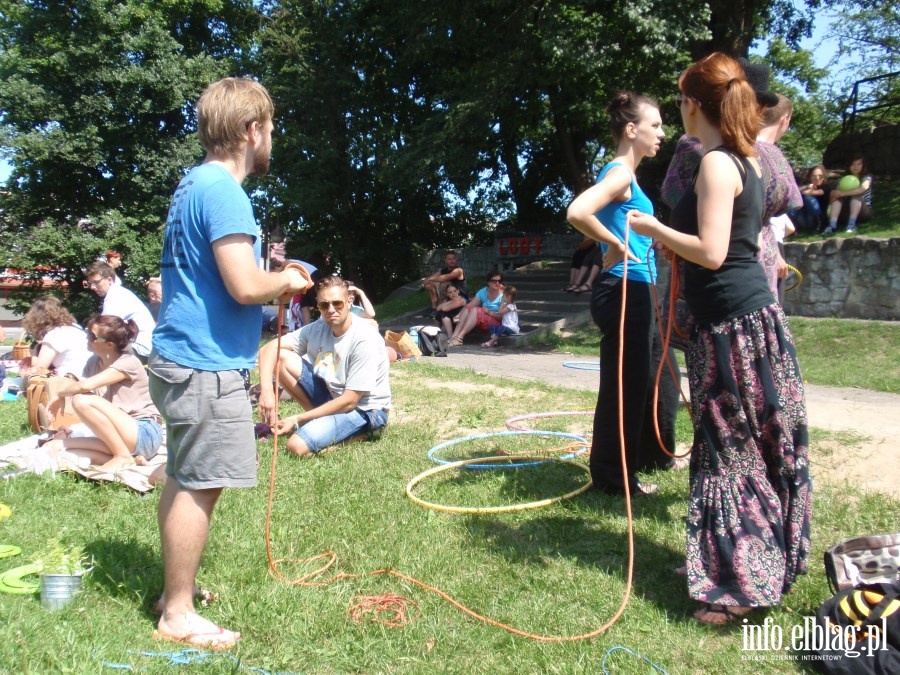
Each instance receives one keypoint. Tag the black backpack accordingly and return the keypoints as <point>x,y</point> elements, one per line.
<point>433,345</point>
<point>869,617</point>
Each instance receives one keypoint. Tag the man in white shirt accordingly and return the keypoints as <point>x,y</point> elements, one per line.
<point>119,301</point>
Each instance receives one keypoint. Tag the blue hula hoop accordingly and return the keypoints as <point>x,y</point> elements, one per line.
<point>582,365</point>
<point>500,464</point>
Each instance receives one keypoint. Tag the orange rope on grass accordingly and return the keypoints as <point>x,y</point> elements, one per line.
<point>391,599</point>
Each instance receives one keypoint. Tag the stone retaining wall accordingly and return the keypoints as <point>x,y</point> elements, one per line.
<point>855,278</point>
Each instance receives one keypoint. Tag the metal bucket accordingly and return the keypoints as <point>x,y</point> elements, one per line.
<point>58,589</point>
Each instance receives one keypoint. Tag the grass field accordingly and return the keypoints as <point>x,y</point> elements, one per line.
<point>555,571</point>
<point>835,352</point>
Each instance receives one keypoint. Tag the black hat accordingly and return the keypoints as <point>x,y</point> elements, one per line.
<point>758,76</point>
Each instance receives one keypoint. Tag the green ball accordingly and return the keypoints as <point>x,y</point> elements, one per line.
<point>848,182</point>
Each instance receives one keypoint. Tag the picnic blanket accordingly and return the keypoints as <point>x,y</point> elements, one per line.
<point>24,456</point>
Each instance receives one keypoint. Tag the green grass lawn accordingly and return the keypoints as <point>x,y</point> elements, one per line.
<point>557,570</point>
<point>835,352</point>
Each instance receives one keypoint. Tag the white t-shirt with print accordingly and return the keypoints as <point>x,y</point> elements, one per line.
<point>511,318</point>
<point>357,360</point>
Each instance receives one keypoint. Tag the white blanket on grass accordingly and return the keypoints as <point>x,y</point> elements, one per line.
<point>25,455</point>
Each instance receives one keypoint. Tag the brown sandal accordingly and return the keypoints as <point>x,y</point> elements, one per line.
<point>726,614</point>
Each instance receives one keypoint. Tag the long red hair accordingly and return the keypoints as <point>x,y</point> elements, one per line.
<point>726,99</point>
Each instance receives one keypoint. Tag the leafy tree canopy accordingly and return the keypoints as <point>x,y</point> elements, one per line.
<point>95,99</point>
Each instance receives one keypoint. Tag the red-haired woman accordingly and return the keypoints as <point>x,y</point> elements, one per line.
<point>113,400</point>
<point>751,495</point>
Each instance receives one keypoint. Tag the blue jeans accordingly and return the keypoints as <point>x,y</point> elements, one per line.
<point>500,331</point>
<point>324,432</point>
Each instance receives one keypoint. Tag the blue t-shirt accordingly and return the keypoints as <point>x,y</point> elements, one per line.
<point>200,325</point>
<point>613,217</point>
<point>486,302</point>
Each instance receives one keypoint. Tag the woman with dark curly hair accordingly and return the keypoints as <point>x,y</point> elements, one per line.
<point>748,523</point>
<point>113,400</point>
<point>64,347</point>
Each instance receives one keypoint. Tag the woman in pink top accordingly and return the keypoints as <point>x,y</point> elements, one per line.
<point>113,400</point>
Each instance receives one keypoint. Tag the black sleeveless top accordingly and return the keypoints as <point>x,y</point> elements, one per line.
<point>739,286</point>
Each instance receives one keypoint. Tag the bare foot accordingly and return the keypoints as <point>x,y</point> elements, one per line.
<point>192,629</point>
<point>53,445</point>
<point>116,464</point>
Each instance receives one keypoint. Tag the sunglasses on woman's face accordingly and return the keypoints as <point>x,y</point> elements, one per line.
<point>95,338</point>
<point>325,304</point>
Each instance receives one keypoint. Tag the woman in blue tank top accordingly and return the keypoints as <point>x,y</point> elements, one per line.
<point>600,213</point>
<point>750,494</point>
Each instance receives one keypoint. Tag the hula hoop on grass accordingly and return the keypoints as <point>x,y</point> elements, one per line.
<point>495,509</point>
<point>8,550</point>
<point>582,365</point>
<point>799,278</point>
<point>11,580</point>
<point>511,422</point>
<point>515,465</point>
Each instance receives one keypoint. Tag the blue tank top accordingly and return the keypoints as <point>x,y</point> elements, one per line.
<point>613,217</point>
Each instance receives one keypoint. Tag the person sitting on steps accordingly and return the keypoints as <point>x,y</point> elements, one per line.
<point>447,313</point>
<point>509,318</point>
<point>483,311</point>
<point>451,273</point>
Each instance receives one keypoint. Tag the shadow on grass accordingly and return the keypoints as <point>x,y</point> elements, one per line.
<point>127,569</point>
<point>599,543</point>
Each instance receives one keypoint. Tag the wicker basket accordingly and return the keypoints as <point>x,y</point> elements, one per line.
<point>21,349</point>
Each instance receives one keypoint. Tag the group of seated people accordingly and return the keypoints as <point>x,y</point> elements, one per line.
<point>336,368</point>
<point>492,310</point>
<point>826,206</point>
<point>98,371</point>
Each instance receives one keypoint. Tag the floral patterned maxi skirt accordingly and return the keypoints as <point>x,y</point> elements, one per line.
<point>748,525</point>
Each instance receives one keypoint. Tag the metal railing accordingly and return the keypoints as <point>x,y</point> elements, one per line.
<point>863,100</point>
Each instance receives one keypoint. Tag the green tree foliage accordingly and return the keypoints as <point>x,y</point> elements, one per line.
<point>96,118</point>
<point>816,118</point>
<point>402,126</point>
<point>868,35</point>
<point>407,126</point>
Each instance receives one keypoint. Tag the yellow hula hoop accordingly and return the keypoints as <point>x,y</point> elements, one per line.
<point>494,509</point>
<point>797,274</point>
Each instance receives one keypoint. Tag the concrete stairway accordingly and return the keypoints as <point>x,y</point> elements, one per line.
<point>543,306</point>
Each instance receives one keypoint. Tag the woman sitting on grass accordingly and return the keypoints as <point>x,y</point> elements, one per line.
<point>856,195</point>
<point>113,401</point>
<point>64,346</point>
